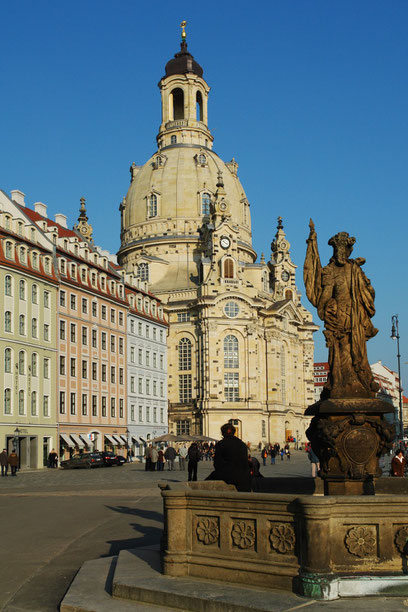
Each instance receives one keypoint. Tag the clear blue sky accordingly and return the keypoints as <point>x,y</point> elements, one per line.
<point>310,97</point>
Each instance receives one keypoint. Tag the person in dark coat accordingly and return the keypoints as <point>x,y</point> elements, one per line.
<point>194,456</point>
<point>13,462</point>
<point>4,462</point>
<point>53,459</point>
<point>231,460</point>
<point>398,464</point>
<point>170,455</point>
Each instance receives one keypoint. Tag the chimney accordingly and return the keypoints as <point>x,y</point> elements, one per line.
<point>40,209</point>
<point>61,219</point>
<point>18,196</point>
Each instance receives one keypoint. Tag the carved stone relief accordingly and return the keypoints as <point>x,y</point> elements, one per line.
<point>243,534</point>
<point>361,541</point>
<point>207,530</point>
<point>282,537</point>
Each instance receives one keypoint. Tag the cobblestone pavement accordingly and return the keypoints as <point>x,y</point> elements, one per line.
<point>54,520</point>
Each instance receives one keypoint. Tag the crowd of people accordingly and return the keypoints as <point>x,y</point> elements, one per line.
<point>8,460</point>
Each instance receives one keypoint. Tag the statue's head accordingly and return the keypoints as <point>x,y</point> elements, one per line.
<point>342,245</point>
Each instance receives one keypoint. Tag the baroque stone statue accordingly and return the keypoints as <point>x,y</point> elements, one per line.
<point>344,299</point>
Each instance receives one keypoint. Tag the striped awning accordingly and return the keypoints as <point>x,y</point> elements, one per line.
<point>85,439</point>
<point>77,440</point>
<point>67,440</point>
<point>111,440</point>
<point>123,438</point>
<point>118,439</point>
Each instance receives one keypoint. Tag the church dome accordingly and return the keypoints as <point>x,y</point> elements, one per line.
<point>183,62</point>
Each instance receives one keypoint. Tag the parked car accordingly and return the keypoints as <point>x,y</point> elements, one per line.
<point>109,458</point>
<point>85,460</point>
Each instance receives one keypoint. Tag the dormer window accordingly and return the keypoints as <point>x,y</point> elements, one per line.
<point>93,279</point>
<point>152,206</point>
<point>76,249</point>
<point>73,270</point>
<point>228,268</point>
<point>103,282</point>
<point>9,250</point>
<point>147,306</point>
<point>7,222</point>
<point>120,291</point>
<point>63,266</point>
<point>35,260</point>
<point>20,228</point>
<point>47,264</point>
<point>139,303</point>
<point>66,245</point>
<point>83,275</point>
<point>22,255</point>
<point>33,234</point>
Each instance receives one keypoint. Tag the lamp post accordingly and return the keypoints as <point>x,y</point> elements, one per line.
<point>395,336</point>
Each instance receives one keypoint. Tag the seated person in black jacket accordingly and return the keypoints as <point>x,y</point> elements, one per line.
<point>231,460</point>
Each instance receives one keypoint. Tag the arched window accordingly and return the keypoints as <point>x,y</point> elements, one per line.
<point>7,401</point>
<point>7,360</point>
<point>184,354</point>
<point>199,106</point>
<point>9,250</point>
<point>34,328</point>
<point>205,203</point>
<point>34,294</point>
<point>173,140</point>
<point>21,402</point>
<point>228,268</point>
<point>22,255</point>
<point>21,362</point>
<point>177,103</point>
<point>7,285</point>
<point>22,290</point>
<point>21,325</point>
<point>152,206</point>
<point>231,359</point>
<point>34,403</point>
<point>7,321</point>
<point>143,272</point>
<point>34,361</point>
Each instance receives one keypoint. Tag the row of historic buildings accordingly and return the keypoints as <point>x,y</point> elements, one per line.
<point>84,344</point>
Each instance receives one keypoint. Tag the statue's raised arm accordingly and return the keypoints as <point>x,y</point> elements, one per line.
<point>312,268</point>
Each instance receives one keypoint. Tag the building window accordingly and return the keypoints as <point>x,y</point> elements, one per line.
<point>84,404</point>
<point>231,388</point>
<point>143,271</point>
<point>140,387</point>
<point>21,363</point>
<point>113,407</point>
<point>62,298</point>
<point>140,414</point>
<point>173,139</point>
<point>94,406</point>
<point>7,285</point>
<point>113,374</point>
<point>121,376</point>
<point>34,361</point>
<point>148,414</point>
<point>155,360</point>
<point>94,370</point>
<point>73,332</point>
<point>7,401</point>
<point>94,338</point>
<point>148,358</point>
<point>22,290</point>
<point>132,384</point>
<point>9,250</point>
<point>132,354</point>
<point>183,428</point>
<point>34,403</point>
<point>7,321</point>
<point>155,388</point>
<point>103,406</point>
<point>62,365</point>
<point>7,360</point>
<point>62,330</point>
<point>132,412</point>
<point>231,352</point>
<point>184,347</point>
<point>94,309</point>
<point>73,301</point>
<point>161,389</point>
<point>228,268</point>
<point>183,316</point>
<point>112,315</point>
<point>34,328</point>
<point>147,331</point>
<point>121,318</point>
<point>73,366</point>
<point>62,402</point>
<point>205,203</point>
<point>103,341</point>
<point>140,329</point>
<point>185,388</point>
<point>46,332</point>
<point>162,362</point>
<point>103,312</point>
<point>72,403</point>
<point>84,369</point>
<point>152,206</point>
<point>263,429</point>
<point>147,386</point>
<point>161,415</point>
<point>46,299</point>
<point>231,309</point>
<point>121,408</point>
<point>103,372</point>
<point>84,305</point>
<point>21,325</point>
<point>140,356</point>
<point>154,414</point>
<point>21,403</point>
<point>84,336</point>
<point>113,348</point>
<point>46,368</point>
<point>120,346</point>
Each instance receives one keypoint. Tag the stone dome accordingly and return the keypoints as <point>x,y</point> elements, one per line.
<point>183,62</point>
<point>178,175</point>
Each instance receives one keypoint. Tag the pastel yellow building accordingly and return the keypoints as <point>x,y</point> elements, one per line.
<point>240,344</point>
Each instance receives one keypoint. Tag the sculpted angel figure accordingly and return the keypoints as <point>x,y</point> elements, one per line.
<point>344,299</point>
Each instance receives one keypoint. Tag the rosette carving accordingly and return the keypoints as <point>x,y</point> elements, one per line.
<point>282,538</point>
<point>360,541</point>
<point>207,530</point>
<point>401,540</point>
<point>243,534</point>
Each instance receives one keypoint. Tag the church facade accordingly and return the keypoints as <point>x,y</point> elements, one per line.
<point>240,344</point>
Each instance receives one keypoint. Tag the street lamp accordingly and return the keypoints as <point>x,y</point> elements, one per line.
<point>16,439</point>
<point>395,336</point>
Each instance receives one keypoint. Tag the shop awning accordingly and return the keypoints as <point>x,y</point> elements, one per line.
<point>85,439</point>
<point>67,440</point>
<point>136,439</point>
<point>123,438</point>
<point>77,440</point>
<point>143,441</point>
<point>118,439</point>
<point>111,440</point>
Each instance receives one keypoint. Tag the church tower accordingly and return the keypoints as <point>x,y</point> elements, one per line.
<point>240,342</point>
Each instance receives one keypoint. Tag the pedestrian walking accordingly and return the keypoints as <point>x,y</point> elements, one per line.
<point>281,454</point>
<point>264,455</point>
<point>13,462</point>
<point>194,456</point>
<point>170,456</point>
<point>272,453</point>
<point>53,459</point>
<point>288,455</point>
<point>154,455</point>
<point>148,452</point>
<point>398,464</point>
<point>315,462</point>
<point>160,461</point>
<point>4,462</point>
<point>130,455</point>
<point>183,452</point>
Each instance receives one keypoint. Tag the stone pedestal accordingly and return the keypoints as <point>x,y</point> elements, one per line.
<point>349,436</point>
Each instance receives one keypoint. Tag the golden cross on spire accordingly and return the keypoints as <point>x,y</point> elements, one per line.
<point>183,29</point>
